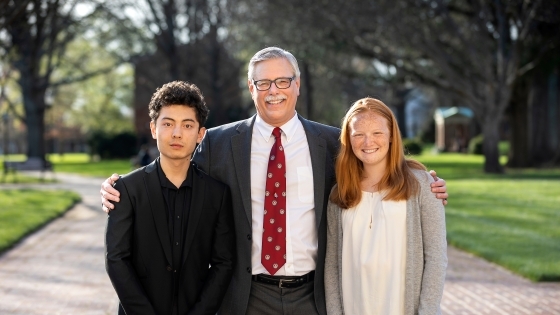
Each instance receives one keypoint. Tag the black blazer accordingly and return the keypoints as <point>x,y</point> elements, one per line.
<point>138,248</point>
<point>225,154</point>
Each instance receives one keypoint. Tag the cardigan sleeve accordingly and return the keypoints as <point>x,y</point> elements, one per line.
<point>333,258</point>
<point>432,217</point>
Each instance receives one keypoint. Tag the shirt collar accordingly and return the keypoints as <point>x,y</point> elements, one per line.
<point>288,129</point>
<point>165,182</point>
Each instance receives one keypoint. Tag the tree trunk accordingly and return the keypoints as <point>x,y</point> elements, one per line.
<point>34,104</point>
<point>556,115</point>
<point>216,96</point>
<point>520,152</point>
<point>490,130</point>
<point>539,114</point>
<point>308,90</point>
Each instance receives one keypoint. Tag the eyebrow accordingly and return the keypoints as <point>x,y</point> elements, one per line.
<point>168,118</point>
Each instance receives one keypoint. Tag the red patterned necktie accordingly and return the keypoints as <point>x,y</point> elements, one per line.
<point>273,255</point>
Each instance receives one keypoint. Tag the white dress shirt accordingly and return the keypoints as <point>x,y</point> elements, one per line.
<point>301,232</point>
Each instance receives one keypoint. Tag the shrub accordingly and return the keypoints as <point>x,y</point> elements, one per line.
<point>121,145</point>
<point>412,146</point>
<point>475,145</point>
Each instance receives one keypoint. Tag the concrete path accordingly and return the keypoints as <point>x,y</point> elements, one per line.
<point>475,287</point>
<point>60,270</point>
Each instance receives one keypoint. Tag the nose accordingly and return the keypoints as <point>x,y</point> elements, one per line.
<point>273,88</point>
<point>177,132</point>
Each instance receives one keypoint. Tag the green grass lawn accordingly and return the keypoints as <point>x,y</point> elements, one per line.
<point>82,164</point>
<point>19,178</point>
<point>78,163</point>
<point>512,219</point>
<point>24,211</point>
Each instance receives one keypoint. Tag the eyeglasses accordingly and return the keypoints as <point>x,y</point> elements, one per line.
<point>281,83</point>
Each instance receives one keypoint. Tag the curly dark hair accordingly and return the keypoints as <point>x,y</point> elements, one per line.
<point>179,93</point>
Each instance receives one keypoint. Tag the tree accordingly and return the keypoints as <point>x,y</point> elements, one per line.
<point>534,108</point>
<point>99,104</point>
<point>34,37</point>
<point>471,48</point>
<point>328,85</point>
<point>187,43</point>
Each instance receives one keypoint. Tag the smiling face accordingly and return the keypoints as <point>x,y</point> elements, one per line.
<point>275,106</point>
<point>370,138</point>
<point>177,132</point>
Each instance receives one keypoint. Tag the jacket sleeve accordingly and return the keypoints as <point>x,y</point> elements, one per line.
<point>333,287</point>
<point>222,260</point>
<point>118,246</point>
<point>432,216</point>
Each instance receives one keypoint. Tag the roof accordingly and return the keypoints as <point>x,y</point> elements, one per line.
<point>453,114</point>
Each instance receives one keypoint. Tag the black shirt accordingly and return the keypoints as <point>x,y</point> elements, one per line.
<point>177,203</point>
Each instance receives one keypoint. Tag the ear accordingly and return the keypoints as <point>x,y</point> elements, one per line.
<point>201,133</point>
<point>298,82</point>
<point>153,129</point>
<point>250,85</point>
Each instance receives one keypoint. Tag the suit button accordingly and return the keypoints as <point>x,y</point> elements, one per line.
<point>169,268</point>
<point>249,237</point>
<point>249,269</point>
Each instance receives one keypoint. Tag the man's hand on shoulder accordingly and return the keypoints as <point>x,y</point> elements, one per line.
<point>108,193</point>
<point>439,188</point>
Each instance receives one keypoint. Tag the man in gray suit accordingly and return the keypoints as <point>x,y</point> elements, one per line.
<point>241,155</point>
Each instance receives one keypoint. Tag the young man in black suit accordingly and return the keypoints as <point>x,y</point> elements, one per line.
<point>174,221</point>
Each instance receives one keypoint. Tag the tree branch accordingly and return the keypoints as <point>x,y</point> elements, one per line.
<point>82,77</point>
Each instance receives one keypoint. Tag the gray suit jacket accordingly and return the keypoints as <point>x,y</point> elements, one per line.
<point>225,154</point>
<point>426,253</point>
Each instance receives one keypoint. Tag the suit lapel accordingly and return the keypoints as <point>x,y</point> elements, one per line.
<point>196,207</point>
<point>157,205</point>
<point>318,152</point>
<point>241,147</point>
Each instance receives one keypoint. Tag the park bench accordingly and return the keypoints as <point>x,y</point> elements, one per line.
<point>31,164</point>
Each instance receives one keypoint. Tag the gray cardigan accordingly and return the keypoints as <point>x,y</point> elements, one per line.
<point>426,253</point>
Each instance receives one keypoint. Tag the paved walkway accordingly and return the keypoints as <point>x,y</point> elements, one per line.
<point>60,270</point>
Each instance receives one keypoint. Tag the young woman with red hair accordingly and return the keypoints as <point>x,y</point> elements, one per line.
<point>386,247</point>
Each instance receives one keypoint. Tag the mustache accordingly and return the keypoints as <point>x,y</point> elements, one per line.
<point>272,98</point>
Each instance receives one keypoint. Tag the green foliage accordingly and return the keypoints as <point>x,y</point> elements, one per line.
<point>476,144</point>
<point>101,103</point>
<point>509,219</point>
<point>503,148</point>
<point>412,146</point>
<point>24,211</point>
<point>106,146</point>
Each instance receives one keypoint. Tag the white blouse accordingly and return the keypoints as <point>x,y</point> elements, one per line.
<point>374,256</point>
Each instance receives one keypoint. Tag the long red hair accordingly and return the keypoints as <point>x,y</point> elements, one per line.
<point>399,183</point>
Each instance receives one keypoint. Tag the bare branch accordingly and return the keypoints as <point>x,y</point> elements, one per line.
<point>82,77</point>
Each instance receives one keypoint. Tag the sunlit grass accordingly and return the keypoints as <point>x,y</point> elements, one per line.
<point>24,211</point>
<point>80,163</point>
<point>18,177</point>
<point>509,219</point>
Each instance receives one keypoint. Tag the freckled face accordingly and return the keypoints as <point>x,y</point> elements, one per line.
<point>370,138</point>
<point>275,106</point>
<point>177,132</point>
